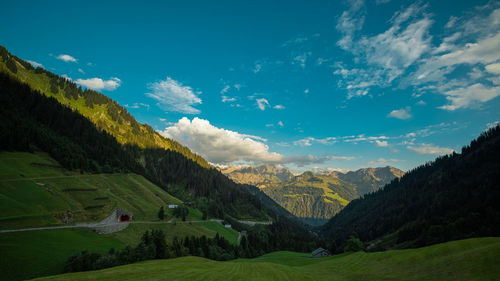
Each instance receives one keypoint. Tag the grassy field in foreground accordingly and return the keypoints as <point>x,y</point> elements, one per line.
<point>36,253</point>
<point>471,259</point>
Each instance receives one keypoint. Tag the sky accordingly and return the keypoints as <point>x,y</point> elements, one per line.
<point>311,85</point>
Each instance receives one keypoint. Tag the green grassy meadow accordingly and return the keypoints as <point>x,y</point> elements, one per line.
<point>37,253</point>
<point>36,192</point>
<point>471,259</point>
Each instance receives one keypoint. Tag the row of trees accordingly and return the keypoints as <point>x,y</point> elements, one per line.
<point>153,246</point>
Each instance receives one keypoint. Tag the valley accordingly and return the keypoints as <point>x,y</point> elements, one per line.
<point>313,197</point>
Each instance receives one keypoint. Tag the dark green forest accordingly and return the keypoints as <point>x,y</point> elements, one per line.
<point>454,197</point>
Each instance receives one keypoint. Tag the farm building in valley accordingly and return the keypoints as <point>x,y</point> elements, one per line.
<point>320,253</point>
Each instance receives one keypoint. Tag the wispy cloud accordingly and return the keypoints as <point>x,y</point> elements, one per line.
<point>279,106</point>
<point>136,105</point>
<point>173,96</point>
<point>430,149</point>
<point>100,84</point>
<point>66,58</point>
<point>384,162</point>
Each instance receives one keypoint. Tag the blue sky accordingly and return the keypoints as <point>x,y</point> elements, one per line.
<point>306,84</point>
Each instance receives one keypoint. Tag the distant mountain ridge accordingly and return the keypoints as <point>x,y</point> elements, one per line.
<point>309,196</point>
<point>259,176</point>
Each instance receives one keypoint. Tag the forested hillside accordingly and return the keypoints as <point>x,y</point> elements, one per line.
<point>454,197</point>
<point>104,112</point>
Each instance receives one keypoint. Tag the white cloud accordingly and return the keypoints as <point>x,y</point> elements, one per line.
<point>493,68</point>
<point>66,58</point>
<point>349,22</point>
<point>468,96</point>
<point>383,162</point>
<point>403,113</point>
<point>262,103</point>
<point>430,149</point>
<point>65,76</point>
<point>173,96</point>
<point>492,124</point>
<point>451,22</point>
<point>421,102</point>
<point>225,89</point>
<point>257,68</point>
<point>35,64</point>
<point>309,141</point>
<point>279,106</point>
<point>138,105</point>
<point>81,71</point>
<point>228,99</point>
<point>301,59</point>
<point>99,84</point>
<point>398,48</point>
<point>381,143</point>
<point>219,145</point>
<point>280,123</point>
<point>306,91</point>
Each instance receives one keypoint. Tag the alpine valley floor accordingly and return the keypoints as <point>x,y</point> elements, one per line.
<point>470,259</point>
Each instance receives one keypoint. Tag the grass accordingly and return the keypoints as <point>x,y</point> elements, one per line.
<point>133,233</point>
<point>37,253</point>
<point>28,190</point>
<point>471,259</point>
<point>35,195</point>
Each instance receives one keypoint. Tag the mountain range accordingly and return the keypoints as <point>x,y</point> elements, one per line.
<point>313,197</point>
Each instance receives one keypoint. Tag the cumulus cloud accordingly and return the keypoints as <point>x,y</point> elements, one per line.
<point>279,106</point>
<point>223,146</point>
<point>430,149</point>
<point>35,64</point>
<point>403,113</point>
<point>99,84</point>
<point>66,58</point>
<point>219,145</point>
<point>493,68</point>
<point>262,103</point>
<point>173,96</point>
<point>381,143</point>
